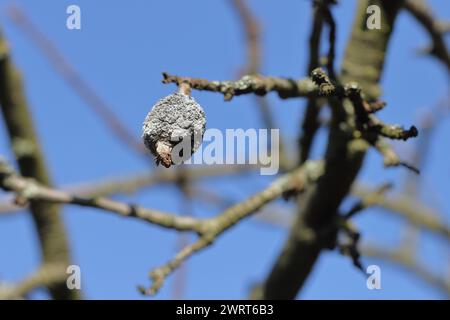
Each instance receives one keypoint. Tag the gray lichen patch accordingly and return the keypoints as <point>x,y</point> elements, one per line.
<point>174,119</point>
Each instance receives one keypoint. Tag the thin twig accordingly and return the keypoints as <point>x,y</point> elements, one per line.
<point>405,207</point>
<point>251,29</point>
<point>252,33</point>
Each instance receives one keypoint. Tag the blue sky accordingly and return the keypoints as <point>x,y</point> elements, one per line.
<point>121,50</point>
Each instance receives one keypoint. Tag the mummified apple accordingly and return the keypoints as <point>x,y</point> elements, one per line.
<point>171,121</point>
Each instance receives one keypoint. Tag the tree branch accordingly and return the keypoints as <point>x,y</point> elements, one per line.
<point>29,190</point>
<point>30,159</point>
<point>138,181</point>
<point>405,207</point>
<point>207,229</point>
<point>251,29</point>
<point>259,85</point>
<point>310,123</point>
<point>48,275</point>
<point>402,258</point>
<point>252,33</point>
<point>363,63</point>
<point>423,14</point>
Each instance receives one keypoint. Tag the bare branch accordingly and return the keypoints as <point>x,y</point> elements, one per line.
<point>259,85</point>
<point>252,33</point>
<point>405,207</point>
<point>363,63</point>
<point>295,180</point>
<point>207,229</point>
<point>30,190</point>
<point>251,29</point>
<point>310,123</point>
<point>328,18</point>
<point>138,181</point>
<point>402,258</point>
<point>47,275</point>
<point>31,162</point>
<point>159,275</point>
<point>420,10</point>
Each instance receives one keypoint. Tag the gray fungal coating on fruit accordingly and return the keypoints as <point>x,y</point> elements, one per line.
<point>173,119</point>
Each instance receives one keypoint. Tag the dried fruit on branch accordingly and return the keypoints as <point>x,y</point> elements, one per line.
<point>174,119</point>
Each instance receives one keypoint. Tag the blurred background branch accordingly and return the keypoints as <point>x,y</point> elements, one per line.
<point>30,160</point>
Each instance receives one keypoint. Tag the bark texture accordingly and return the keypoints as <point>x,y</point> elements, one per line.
<point>363,63</point>
<point>31,163</point>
